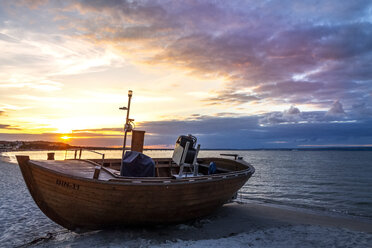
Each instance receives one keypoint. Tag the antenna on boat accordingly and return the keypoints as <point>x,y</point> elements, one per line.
<point>127,127</point>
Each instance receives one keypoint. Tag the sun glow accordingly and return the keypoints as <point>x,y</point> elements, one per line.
<point>65,137</point>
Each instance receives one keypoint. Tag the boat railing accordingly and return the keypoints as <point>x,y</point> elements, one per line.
<point>78,153</point>
<point>236,156</point>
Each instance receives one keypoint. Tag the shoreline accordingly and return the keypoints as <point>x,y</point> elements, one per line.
<point>5,158</point>
<point>307,210</point>
<point>301,216</point>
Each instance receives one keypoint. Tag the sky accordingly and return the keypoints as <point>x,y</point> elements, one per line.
<point>236,74</point>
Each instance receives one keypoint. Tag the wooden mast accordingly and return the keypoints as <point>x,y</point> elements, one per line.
<point>127,126</point>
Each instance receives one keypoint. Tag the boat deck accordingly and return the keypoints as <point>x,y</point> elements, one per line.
<point>110,171</point>
<point>165,170</point>
<point>76,168</point>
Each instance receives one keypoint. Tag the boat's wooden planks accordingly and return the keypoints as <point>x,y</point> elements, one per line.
<point>130,204</point>
<point>76,168</point>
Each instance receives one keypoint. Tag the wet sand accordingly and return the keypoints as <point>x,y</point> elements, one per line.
<point>234,225</point>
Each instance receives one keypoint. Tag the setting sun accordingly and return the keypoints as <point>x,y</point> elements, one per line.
<point>65,137</point>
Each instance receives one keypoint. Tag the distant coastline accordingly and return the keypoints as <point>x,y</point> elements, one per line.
<point>7,146</point>
<point>294,149</point>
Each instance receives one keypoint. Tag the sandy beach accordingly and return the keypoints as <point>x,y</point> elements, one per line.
<point>235,225</point>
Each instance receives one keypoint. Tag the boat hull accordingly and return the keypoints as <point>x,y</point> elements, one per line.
<point>80,203</point>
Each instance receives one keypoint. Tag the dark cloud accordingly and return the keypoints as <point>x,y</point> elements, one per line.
<point>361,110</point>
<point>293,128</point>
<point>290,91</point>
<point>293,111</point>
<point>290,88</point>
<point>336,109</point>
<point>344,41</point>
<point>5,126</point>
<point>293,115</point>
<point>227,97</point>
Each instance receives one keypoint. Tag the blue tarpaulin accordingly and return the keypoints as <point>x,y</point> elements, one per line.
<point>212,168</point>
<point>136,164</point>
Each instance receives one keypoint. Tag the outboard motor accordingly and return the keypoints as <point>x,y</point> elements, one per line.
<point>180,149</point>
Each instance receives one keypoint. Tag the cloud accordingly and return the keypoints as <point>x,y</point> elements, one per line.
<point>361,110</point>
<point>98,130</point>
<point>336,109</point>
<point>230,97</point>
<point>293,115</point>
<point>293,111</point>
<point>289,88</point>
<point>31,83</point>
<point>33,4</point>
<point>285,53</point>
<point>97,140</point>
<point>246,132</point>
<point>263,45</point>
<point>7,38</point>
<point>29,137</point>
<point>5,126</point>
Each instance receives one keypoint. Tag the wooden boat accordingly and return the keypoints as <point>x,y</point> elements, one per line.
<point>93,194</point>
<point>69,195</point>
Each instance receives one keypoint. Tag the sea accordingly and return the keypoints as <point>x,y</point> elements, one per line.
<point>326,182</point>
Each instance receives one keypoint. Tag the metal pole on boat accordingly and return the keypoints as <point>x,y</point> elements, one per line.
<point>126,126</point>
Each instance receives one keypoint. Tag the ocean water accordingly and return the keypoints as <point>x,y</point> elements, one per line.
<point>329,181</point>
